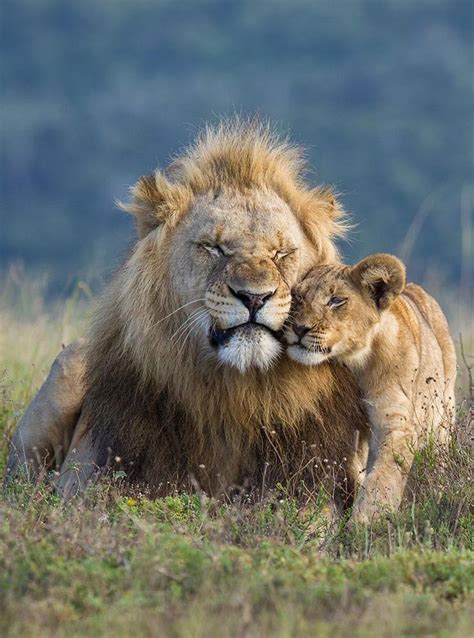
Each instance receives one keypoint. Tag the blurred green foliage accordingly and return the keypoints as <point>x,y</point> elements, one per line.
<point>97,93</point>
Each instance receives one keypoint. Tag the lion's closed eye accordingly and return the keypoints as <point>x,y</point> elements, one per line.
<point>281,254</point>
<point>215,250</point>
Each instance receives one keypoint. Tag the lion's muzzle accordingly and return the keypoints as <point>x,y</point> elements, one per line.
<point>252,301</point>
<point>248,306</point>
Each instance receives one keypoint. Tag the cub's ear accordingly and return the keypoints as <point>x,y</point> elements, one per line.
<point>381,276</point>
<point>155,201</point>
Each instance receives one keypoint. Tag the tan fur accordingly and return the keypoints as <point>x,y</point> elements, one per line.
<point>179,385</point>
<point>44,433</point>
<point>396,341</point>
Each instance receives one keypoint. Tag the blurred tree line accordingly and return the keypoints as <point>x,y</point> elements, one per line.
<point>96,93</point>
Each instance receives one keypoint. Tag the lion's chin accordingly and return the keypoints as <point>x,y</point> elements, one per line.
<point>305,356</point>
<point>249,346</point>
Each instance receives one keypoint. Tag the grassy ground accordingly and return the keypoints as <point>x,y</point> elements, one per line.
<point>118,563</point>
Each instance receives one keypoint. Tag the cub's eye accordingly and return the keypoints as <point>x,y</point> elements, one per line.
<point>337,302</point>
<point>213,249</point>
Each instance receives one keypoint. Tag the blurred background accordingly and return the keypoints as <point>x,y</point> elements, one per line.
<point>97,93</point>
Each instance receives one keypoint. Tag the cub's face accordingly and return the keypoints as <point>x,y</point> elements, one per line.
<point>234,261</point>
<point>332,316</point>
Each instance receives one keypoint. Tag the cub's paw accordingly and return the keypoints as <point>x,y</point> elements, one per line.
<point>371,505</point>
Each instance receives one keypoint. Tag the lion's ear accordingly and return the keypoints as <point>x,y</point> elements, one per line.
<point>381,276</point>
<point>324,219</point>
<point>155,201</point>
<point>326,198</point>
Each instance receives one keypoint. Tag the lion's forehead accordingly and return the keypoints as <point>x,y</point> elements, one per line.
<point>251,221</point>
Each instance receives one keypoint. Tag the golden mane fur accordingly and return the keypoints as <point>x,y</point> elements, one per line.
<point>168,411</point>
<point>238,154</point>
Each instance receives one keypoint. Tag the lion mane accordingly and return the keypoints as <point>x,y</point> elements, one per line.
<point>174,417</point>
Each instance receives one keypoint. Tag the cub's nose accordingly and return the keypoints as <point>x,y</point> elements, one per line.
<point>300,331</point>
<point>252,301</point>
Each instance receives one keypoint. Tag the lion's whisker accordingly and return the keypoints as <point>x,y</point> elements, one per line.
<point>185,324</point>
<point>191,328</point>
<point>177,310</point>
<point>188,324</point>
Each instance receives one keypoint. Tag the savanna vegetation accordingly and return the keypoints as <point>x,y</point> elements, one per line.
<point>95,94</point>
<point>119,563</point>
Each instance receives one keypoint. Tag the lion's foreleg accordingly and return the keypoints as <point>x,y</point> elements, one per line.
<point>79,468</point>
<point>44,433</point>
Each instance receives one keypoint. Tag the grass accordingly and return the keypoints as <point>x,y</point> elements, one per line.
<point>119,563</point>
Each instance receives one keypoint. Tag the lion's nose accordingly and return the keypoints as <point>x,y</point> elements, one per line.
<point>300,331</point>
<point>252,301</point>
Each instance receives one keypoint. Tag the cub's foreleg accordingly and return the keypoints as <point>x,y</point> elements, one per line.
<point>393,443</point>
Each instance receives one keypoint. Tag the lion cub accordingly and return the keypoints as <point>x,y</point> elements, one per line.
<point>396,341</point>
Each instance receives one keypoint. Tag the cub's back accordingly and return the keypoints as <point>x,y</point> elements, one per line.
<point>431,313</point>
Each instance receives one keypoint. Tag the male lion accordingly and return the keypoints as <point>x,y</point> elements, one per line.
<point>396,341</point>
<point>184,376</point>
